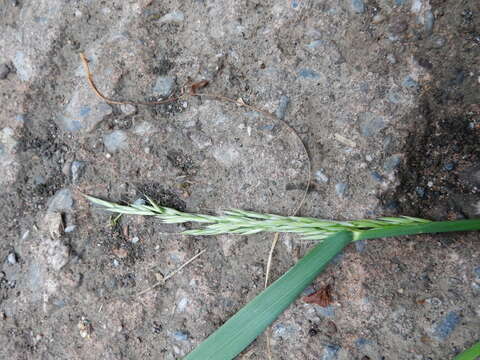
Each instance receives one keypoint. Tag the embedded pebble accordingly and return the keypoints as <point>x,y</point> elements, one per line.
<point>173,17</point>
<point>77,169</point>
<point>392,162</point>
<point>376,176</point>
<point>83,114</point>
<point>70,228</point>
<point>420,191</point>
<point>330,352</point>
<point>449,166</point>
<point>62,201</point>
<point>321,177</point>
<point>429,20</point>
<point>408,82</point>
<point>377,19</point>
<point>12,258</point>
<point>308,74</point>
<point>340,189</point>
<point>446,326</point>
<point>128,109</point>
<point>282,107</point>
<point>164,85</point>
<point>115,141</point>
<point>4,71</point>
<point>358,6</point>
<point>180,335</point>
<point>371,124</point>
<point>23,65</point>
<point>391,59</point>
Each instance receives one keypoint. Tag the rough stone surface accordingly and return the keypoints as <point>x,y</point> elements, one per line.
<point>115,141</point>
<point>382,94</point>
<point>164,85</point>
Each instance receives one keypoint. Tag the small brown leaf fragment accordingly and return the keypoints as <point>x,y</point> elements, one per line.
<point>198,85</point>
<point>322,297</point>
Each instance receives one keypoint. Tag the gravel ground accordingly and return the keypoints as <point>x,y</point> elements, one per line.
<point>380,99</point>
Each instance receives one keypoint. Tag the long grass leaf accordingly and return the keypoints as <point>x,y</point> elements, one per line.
<point>240,330</point>
<point>470,354</point>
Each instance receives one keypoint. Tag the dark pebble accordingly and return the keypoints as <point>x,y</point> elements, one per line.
<point>449,166</point>
<point>392,205</point>
<point>420,191</point>
<point>4,71</point>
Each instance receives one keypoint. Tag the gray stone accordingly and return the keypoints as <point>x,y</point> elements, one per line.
<point>23,66</point>
<point>83,114</point>
<point>379,18</point>
<point>391,59</point>
<point>12,258</point>
<point>62,201</point>
<point>371,124</point>
<point>4,71</point>
<point>308,74</point>
<point>477,272</point>
<point>429,20</point>
<point>446,326</point>
<point>330,352</point>
<point>70,228</point>
<point>321,177</point>
<point>392,162</point>
<point>164,86</point>
<point>173,17</point>
<point>128,109</point>
<point>115,141</point>
<point>139,201</point>
<point>358,6</point>
<point>341,189</point>
<point>76,170</point>
<point>283,331</point>
<point>376,176</point>
<point>181,335</point>
<point>55,253</point>
<point>420,191</point>
<point>408,82</point>
<point>282,107</point>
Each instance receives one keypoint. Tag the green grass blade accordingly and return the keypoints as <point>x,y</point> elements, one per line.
<point>425,228</point>
<point>240,330</point>
<point>470,354</point>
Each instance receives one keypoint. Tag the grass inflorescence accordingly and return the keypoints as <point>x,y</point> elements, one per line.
<point>242,222</point>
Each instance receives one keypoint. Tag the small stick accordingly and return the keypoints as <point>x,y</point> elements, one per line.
<point>171,274</point>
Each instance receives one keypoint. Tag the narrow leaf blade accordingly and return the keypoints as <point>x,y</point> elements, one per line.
<point>240,330</point>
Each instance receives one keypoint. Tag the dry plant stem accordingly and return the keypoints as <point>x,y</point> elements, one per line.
<point>171,274</point>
